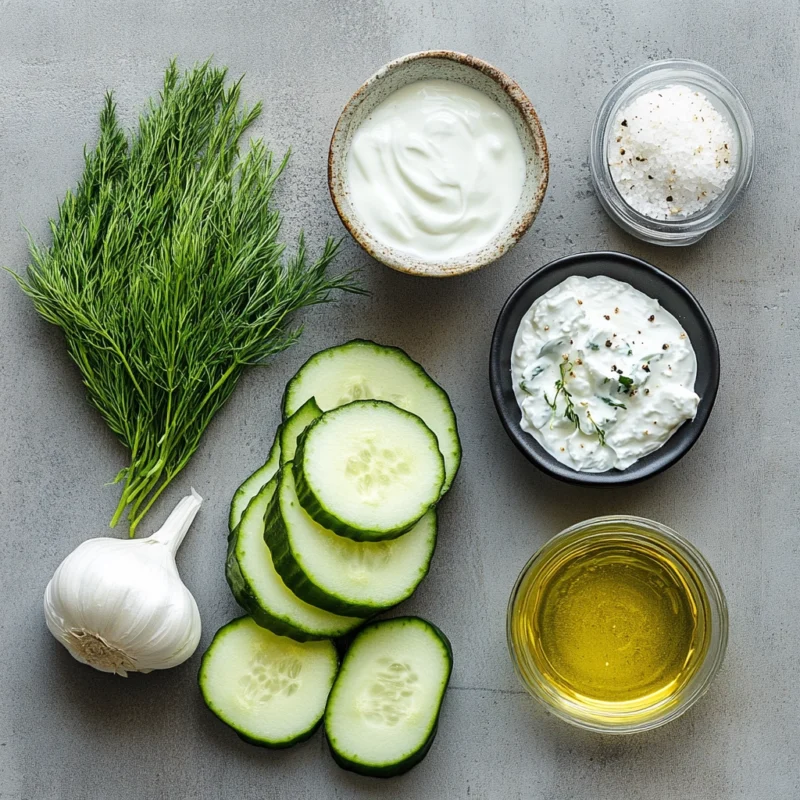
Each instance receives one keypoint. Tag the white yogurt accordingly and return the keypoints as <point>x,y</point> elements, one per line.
<point>436,170</point>
<point>602,373</point>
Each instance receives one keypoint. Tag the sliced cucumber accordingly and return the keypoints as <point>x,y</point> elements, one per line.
<point>338,574</point>
<point>282,450</point>
<point>368,470</point>
<point>294,426</point>
<point>270,689</point>
<point>384,706</point>
<point>259,590</point>
<point>363,370</point>
<point>251,487</point>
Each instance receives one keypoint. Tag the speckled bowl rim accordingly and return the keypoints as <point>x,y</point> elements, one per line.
<point>403,262</point>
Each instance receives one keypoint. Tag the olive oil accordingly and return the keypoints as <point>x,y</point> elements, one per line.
<point>613,623</point>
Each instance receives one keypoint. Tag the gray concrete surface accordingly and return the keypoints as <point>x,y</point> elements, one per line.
<point>69,732</point>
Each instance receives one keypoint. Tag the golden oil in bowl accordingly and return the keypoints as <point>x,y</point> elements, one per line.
<point>617,624</point>
<point>615,621</point>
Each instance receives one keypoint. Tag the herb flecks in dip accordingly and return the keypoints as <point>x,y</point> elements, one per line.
<point>602,373</point>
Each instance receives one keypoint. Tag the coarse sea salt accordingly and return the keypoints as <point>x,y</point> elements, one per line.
<point>671,153</point>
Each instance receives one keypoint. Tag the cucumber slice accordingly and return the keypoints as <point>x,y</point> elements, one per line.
<point>282,450</point>
<point>338,574</point>
<point>271,690</point>
<point>384,706</point>
<point>251,487</point>
<point>363,370</point>
<point>294,426</point>
<point>368,470</point>
<point>259,590</point>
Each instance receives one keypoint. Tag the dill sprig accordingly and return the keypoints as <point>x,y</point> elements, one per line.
<point>601,434</point>
<point>166,275</point>
<point>565,369</point>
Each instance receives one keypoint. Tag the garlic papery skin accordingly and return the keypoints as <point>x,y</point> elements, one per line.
<point>119,605</point>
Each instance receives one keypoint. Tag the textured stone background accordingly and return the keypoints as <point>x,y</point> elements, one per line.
<point>69,732</point>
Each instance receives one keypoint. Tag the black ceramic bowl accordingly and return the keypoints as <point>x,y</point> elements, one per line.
<point>672,295</point>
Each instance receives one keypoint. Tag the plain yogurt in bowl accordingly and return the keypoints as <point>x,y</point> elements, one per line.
<point>438,164</point>
<point>436,169</point>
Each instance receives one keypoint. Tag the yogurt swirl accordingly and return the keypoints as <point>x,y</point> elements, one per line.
<point>436,170</point>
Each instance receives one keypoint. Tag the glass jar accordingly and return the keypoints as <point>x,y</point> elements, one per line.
<point>725,97</point>
<point>654,708</point>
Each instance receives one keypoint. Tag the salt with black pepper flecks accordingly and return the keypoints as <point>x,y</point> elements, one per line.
<point>671,153</point>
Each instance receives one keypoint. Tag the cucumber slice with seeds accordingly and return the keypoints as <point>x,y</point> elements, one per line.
<point>270,689</point>
<point>294,426</point>
<point>368,470</point>
<point>251,487</point>
<point>384,706</point>
<point>363,370</point>
<point>336,573</point>
<point>261,592</point>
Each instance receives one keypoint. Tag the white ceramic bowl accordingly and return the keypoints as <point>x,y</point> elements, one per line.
<point>472,72</point>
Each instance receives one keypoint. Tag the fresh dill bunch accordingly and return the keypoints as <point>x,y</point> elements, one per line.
<point>166,274</point>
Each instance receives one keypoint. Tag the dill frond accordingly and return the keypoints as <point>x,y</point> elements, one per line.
<point>167,276</point>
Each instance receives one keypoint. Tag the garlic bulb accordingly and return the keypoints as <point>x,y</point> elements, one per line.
<point>119,605</point>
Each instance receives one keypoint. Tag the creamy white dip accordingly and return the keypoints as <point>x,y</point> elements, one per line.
<point>602,373</point>
<point>436,170</point>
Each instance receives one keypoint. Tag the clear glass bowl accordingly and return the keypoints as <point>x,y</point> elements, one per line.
<point>611,719</point>
<point>728,101</point>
